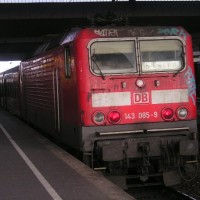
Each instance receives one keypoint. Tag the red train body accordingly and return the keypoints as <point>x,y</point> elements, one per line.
<point>125,97</point>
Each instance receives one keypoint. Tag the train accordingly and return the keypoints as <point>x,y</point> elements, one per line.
<point>124,97</point>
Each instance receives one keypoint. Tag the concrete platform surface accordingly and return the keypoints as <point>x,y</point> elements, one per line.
<point>34,168</point>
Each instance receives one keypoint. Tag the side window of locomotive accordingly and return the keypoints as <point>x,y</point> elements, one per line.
<point>113,57</point>
<point>161,55</point>
<point>67,62</point>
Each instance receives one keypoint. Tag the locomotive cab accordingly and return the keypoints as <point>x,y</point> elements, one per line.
<point>139,103</point>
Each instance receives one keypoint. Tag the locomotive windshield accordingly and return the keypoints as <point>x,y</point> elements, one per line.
<point>113,57</point>
<point>119,57</point>
<point>161,55</point>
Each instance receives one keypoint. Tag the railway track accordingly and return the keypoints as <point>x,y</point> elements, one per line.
<point>158,193</point>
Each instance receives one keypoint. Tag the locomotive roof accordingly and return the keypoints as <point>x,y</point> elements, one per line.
<point>67,36</point>
<point>112,31</point>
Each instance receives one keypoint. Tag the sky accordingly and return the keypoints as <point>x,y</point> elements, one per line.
<point>4,65</point>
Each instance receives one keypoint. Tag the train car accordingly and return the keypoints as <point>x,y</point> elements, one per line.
<point>10,90</point>
<point>123,96</point>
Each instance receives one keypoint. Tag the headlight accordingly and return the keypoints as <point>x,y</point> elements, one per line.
<point>114,117</point>
<point>182,112</point>
<point>167,114</point>
<point>98,117</point>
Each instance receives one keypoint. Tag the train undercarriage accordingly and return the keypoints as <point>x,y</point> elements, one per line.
<point>159,158</point>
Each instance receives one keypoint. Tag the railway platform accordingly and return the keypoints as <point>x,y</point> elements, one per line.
<point>32,167</point>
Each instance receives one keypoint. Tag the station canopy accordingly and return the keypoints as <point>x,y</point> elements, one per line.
<point>73,1</point>
<point>53,1</point>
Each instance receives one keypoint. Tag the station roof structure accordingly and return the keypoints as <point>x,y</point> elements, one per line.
<point>26,24</point>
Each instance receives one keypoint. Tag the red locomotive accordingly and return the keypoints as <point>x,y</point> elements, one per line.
<point>123,96</point>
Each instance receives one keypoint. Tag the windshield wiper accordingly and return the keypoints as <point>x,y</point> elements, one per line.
<point>178,71</point>
<point>94,61</point>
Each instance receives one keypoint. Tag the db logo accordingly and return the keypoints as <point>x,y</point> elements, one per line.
<point>141,97</point>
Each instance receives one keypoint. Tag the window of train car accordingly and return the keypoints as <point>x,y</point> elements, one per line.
<point>67,62</point>
<point>113,57</point>
<point>161,55</point>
